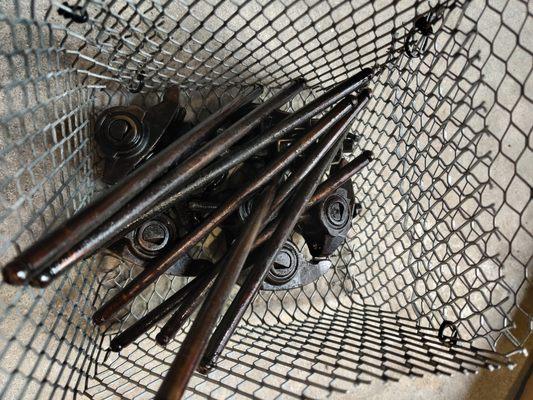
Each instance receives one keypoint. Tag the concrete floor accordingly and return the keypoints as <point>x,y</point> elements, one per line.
<point>494,385</point>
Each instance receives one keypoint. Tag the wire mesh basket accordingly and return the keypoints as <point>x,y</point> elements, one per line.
<point>444,241</point>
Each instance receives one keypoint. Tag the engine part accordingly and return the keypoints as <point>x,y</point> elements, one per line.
<point>325,226</point>
<point>290,269</point>
<point>196,340</point>
<point>141,326</point>
<point>188,306</point>
<point>145,243</point>
<point>243,152</point>
<point>168,183</point>
<point>285,265</point>
<point>126,136</point>
<point>47,251</point>
<point>340,176</point>
<point>142,245</point>
<point>147,276</point>
<point>290,213</point>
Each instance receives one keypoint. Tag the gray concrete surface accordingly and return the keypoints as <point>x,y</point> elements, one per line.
<point>31,175</point>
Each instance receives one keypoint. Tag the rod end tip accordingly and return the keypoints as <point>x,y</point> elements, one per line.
<point>16,273</point>
<point>115,346</point>
<point>205,366</point>
<point>98,318</point>
<point>41,281</point>
<point>162,339</point>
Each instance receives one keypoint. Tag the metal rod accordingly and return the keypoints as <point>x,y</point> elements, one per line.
<point>119,224</point>
<point>319,150</point>
<point>61,239</point>
<point>130,334</point>
<point>245,151</point>
<point>327,187</point>
<point>290,213</point>
<point>169,182</point>
<point>340,177</point>
<point>149,275</point>
<point>187,307</point>
<point>195,342</point>
<point>332,183</point>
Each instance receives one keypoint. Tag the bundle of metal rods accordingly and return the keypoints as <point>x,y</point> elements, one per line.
<point>189,163</point>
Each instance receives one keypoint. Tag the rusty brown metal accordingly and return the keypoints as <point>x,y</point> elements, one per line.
<point>169,183</point>
<point>193,346</point>
<point>334,181</point>
<point>340,177</point>
<point>318,151</point>
<point>51,246</point>
<point>134,331</point>
<point>329,186</point>
<point>110,231</point>
<point>124,137</point>
<point>190,303</point>
<point>149,275</point>
<point>278,131</point>
<point>289,215</point>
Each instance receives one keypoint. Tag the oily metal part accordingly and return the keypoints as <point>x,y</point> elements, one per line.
<point>312,157</point>
<point>326,225</point>
<point>125,134</point>
<point>340,176</point>
<point>327,187</point>
<point>319,150</point>
<point>148,240</point>
<point>289,215</point>
<point>334,181</point>
<point>288,218</point>
<point>256,145</point>
<point>194,344</point>
<point>155,236</point>
<point>138,328</point>
<point>205,321</point>
<point>167,184</point>
<point>57,242</point>
<point>337,178</point>
<point>187,307</point>
<point>290,269</point>
<point>146,277</point>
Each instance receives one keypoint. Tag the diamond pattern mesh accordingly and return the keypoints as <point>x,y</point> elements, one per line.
<point>445,233</point>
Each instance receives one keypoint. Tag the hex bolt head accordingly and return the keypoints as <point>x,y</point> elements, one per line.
<point>153,236</point>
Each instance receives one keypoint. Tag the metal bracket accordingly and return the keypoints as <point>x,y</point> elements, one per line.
<point>291,270</point>
<point>325,226</point>
<point>128,135</point>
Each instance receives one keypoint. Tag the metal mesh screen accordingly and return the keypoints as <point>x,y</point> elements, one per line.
<point>445,233</point>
